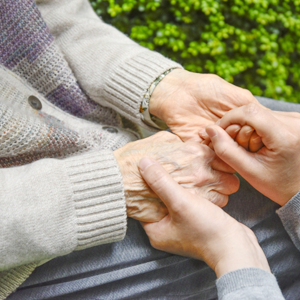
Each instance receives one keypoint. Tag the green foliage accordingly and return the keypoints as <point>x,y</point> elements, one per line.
<point>251,43</point>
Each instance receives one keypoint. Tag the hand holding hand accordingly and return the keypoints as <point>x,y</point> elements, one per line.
<point>197,228</point>
<point>188,102</point>
<point>194,166</point>
<point>274,169</point>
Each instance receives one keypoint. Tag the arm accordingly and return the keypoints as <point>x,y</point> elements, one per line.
<point>197,228</point>
<point>248,284</point>
<point>116,72</point>
<point>52,207</point>
<point>274,169</point>
<point>290,218</point>
<point>110,67</point>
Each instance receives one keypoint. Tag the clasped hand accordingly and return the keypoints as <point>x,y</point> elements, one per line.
<point>194,166</point>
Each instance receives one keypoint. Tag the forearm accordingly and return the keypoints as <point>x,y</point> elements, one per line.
<point>52,207</point>
<point>290,218</point>
<point>249,283</point>
<point>110,67</point>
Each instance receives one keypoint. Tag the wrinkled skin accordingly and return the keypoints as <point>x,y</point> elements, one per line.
<point>191,164</point>
<point>188,102</point>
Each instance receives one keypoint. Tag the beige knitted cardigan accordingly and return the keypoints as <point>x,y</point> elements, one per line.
<point>61,188</point>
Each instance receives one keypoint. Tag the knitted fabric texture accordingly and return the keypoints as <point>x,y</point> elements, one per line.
<point>27,48</point>
<point>31,64</point>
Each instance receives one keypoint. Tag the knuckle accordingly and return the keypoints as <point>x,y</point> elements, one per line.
<point>193,147</point>
<point>248,95</point>
<point>251,109</point>
<point>219,199</point>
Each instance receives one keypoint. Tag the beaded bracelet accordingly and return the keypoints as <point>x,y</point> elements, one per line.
<point>146,117</point>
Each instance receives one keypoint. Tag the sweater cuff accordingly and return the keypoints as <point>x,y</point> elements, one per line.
<point>290,218</point>
<point>98,196</point>
<point>129,82</point>
<point>243,280</point>
<point>10,280</point>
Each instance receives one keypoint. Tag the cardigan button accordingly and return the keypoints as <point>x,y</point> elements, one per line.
<point>110,129</point>
<point>34,102</point>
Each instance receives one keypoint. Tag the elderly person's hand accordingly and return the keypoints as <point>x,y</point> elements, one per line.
<point>194,166</point>
<point>188,102</point>
<point>197,228</point>
<point>274,169</point>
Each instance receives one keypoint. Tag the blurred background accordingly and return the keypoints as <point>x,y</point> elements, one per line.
<point>254,44</point>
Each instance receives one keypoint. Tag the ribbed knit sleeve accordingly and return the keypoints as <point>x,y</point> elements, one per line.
<point>110,67</point>
<point>54,206</point>
<point>98,197</point>
<point>290,218</point>
<point>250,283</point>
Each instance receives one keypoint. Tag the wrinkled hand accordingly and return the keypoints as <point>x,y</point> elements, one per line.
<point>188,102</point>
<point>197,228</point>
<point>274,169</point>
<point>194,166</point>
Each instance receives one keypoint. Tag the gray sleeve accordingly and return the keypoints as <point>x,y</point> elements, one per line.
<point>248,284</point>
<point>290,218</point>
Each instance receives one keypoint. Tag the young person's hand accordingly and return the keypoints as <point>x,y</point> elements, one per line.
<point>245,136</point>
<point>275,169</point>
<point>197,228</point>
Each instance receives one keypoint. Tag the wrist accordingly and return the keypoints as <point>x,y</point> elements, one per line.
<point>165,88</point>
<point>241,252</point>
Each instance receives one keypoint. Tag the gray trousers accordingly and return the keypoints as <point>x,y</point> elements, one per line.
<point>132,269</point>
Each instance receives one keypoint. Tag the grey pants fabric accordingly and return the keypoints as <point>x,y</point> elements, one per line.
<point>132,269</point>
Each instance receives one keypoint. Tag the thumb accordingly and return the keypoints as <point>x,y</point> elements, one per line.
<point>231,152</point>
<point>162,184</point>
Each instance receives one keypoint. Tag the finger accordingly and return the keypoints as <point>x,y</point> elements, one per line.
<point>244,135</point>
<point>262,120</point>
<point>146,210</point>
<point>219,165</point>
<point>159,180</point>
<point>217,198</point>
<point>229,151</point>
<point>255,142</point>
<point>225,183</point>
<point>204,137</point>
<point>233,130</point>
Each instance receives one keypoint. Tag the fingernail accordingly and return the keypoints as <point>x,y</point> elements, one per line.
<point>218,122</point>
<point>211,132</point>
<point>145,162</point>
<point>256,140</point>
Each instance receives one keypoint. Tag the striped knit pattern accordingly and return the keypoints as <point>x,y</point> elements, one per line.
<point>11,279</point>
<point>100,180</point>
<point>27,48</point>
<point>31,64</point>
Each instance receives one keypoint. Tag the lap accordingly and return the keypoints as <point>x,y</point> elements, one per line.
<point>132,269</point>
